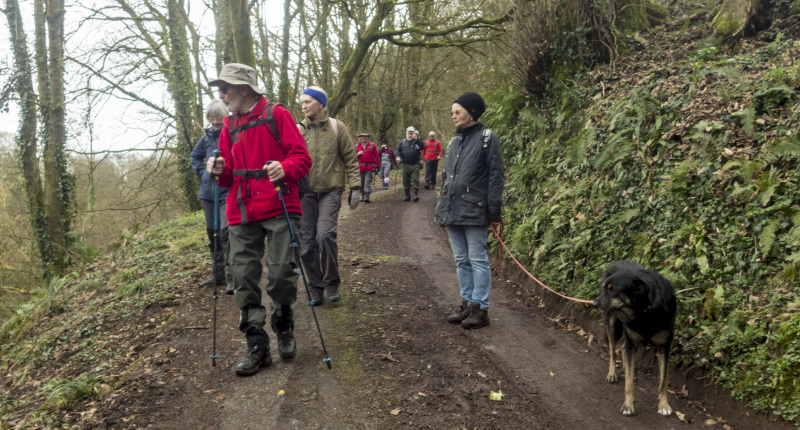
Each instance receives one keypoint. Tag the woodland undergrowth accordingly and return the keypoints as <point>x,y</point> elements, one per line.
<point>683,158</point>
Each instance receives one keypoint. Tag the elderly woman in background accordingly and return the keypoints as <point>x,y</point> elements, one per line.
<point>215,112</point>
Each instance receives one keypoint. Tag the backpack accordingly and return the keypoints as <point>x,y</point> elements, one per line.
<point>304,183</point>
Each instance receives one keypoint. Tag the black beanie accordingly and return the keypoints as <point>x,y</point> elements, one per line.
<point>473,103</point>
<point>384,140</point>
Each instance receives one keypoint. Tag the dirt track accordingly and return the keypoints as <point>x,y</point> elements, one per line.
<point>397,363</point>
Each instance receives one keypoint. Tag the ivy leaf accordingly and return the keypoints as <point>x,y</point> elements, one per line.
<point>702,261</point>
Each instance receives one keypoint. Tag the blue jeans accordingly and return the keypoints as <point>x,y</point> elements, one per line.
<point>472,262</point>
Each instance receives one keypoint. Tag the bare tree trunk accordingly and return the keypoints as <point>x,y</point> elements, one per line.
<point>59,184</point>
<point>223,42</point>
<point>242,36</point>
<point>324,47</point>
<point>736,16</point>
<point>26,137</point>
<point>182,89</point>
<point>283,85</point>
<point>266,62</point>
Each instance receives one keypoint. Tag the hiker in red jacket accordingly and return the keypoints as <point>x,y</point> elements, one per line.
<point>367,163</point>
<point>261,147</point>
<point>431,154</point>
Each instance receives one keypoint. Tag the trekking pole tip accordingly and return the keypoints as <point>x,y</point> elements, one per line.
<point>327,361</point>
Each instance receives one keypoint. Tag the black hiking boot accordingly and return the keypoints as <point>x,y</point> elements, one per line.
<point>407,198</point>
<point>218,280</point>
<point>427,185</point>
<point>257,355</point>
<point>478,318</point>
<point>366,197</point>
<point>461,314</point>
<point>283,326</point>
<point>416,197</point>
<point>334,297</point>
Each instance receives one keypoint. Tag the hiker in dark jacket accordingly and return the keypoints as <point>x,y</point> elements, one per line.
<point>408,156</point>
<point>216,111</point>
<point>471,198</point>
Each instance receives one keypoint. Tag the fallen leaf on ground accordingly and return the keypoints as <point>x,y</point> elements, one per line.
<point>395,411</point>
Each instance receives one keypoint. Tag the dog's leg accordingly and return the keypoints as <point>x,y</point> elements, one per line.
<point>663,366</point>
<point>612,345</point>
<point>628,363</point>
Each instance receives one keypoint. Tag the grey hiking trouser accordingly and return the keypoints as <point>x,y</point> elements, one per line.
<point>247,249</point>
<point>411,176</point>
<point>366,181</point>
<point>218,258</point>
<point>430,171</point>
<point>320,249</point>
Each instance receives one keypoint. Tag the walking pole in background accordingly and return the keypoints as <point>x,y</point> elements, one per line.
<point>215,183</point>
<point>296,252</point>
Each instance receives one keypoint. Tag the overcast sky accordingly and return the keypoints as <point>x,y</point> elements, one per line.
<point>117,124</point>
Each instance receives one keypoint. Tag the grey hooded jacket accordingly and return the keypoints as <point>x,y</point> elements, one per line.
<point>472,179</point>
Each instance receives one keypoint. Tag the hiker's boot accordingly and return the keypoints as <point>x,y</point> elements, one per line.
<point>283,326</point>
<point>257,353</point>
<point>215,280</point>
<point>478,317</point>
<point>461,314</point>
<point>366,197</point>
<point>427,185</point>
<point>416,197</point>
<point>407,198</point>
<point>334,297</point>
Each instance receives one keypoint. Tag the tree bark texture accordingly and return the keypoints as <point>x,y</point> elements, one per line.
<point>283,85</point>
<point>736,16</point>
<point>223,41</point>
<point>242,35</point>
<point>58,182</point>
<point>26,137</point>
<point>182,89</point>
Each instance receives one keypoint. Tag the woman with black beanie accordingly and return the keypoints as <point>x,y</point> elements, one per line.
<point>470,200</point>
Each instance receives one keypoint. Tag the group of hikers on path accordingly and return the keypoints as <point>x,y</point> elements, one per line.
<point>275,178</point>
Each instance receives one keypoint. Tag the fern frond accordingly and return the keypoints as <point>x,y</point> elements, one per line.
<point>767,236</point>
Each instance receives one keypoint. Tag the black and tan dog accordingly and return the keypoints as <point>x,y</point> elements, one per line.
<point>640,305</point>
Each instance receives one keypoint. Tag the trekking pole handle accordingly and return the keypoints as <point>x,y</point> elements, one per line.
<point>216,155</point>
<point>279,185</point>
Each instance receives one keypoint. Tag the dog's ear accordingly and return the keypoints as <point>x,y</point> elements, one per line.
<point>642,286</point>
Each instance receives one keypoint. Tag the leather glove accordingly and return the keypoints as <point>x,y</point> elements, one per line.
<point>495,219</point>
<point>353,199</point>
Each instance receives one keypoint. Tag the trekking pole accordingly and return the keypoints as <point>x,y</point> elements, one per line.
<point>215,183</point>
<point>296,252</point>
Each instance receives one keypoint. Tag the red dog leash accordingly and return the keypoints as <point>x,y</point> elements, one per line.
<point>498,235</point>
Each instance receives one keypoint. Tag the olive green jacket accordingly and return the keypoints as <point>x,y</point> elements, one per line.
<point>334,157</point>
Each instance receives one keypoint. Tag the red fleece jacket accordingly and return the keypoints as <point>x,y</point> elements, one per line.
<point>258,197</point>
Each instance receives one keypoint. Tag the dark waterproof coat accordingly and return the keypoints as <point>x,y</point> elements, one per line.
<point>472,179</point>
<point>203,151</point>
<point>409,151</point>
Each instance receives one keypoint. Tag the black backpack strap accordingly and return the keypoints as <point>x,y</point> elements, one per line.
<point>269,111</point>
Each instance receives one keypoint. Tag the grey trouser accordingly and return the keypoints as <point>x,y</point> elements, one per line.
<point>410,176</point>
<point>366,181</point>
<point>430,171</point>
<point>320,250</point>
<point>247,249</point>
<point>219,257</point>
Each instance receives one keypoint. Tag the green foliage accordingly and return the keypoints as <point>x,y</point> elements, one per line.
<point>61,393</point>
<point>590,183</point>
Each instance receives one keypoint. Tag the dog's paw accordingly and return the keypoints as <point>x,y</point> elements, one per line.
<point>612,377</point>
<point>627,409</point>
<point>664,408</point>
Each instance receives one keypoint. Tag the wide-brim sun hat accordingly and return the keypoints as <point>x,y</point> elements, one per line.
<point>237,74</point>
<point>363,133</point>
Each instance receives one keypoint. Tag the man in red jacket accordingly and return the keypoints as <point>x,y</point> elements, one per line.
<point>252,162</point>
<point>367,163</point>
<point>431,154</point>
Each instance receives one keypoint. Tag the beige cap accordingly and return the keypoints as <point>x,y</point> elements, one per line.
<point>411,128</point>
<point>237,74</point>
